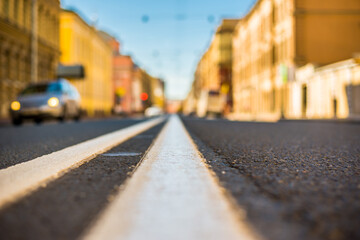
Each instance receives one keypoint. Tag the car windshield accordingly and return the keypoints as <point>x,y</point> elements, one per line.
<point>42,88</point>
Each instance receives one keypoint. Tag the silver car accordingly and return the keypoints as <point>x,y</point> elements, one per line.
<point>57,99</point>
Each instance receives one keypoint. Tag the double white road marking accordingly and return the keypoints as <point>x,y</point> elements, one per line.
<point>172,195</point>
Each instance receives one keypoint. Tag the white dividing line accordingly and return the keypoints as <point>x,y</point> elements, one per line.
<point>18,180</point>
<point>172,195</point>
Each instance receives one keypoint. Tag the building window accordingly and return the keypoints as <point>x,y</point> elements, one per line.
<point>273,55</point>
<point>7,65</point>
<point>273,100</point>
<point>16,9</point>
<point>17,67</point>
<point>6,8</point>
<point>25,3</point>
<point>274,13</point>
<point>40,23</point>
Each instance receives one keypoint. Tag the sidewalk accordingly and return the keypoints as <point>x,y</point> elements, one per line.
<point>275,118</point>
<point>328,120</point>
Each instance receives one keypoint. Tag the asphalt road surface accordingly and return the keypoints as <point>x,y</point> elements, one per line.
<point>64,208</point>
<point>295,179</point>
<point>20,144</point>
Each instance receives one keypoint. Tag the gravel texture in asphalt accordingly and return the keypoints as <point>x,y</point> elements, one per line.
<point>296,180</point>
<point>20,144</point>
<point>66,207</point>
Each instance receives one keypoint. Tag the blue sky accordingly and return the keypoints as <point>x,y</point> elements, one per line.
<point>164,37</point>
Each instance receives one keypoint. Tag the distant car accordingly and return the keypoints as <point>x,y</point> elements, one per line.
<point>56,99</point>
<point>153,111</point>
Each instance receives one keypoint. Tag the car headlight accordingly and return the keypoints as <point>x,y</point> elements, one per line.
<point>15,106</point>
<point>53,102</point>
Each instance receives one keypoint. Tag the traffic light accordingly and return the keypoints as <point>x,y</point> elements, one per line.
<point>144,96</point>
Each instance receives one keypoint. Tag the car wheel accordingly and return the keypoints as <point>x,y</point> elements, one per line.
<point>38,120</point>
<point>78,115</point>
<point>63,116</point>
<point>17,121</point>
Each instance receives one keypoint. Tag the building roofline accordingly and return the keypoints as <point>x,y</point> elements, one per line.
<point>252,10</point>
<point>227,24</point>
<point>96,31</point>
<point>340,64</point>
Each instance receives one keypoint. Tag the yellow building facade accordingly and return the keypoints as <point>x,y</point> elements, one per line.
<point>16,49</point>
<point>82,44</point>
<point>189,103</point>
<point>331,91</point>
<point>216,64</point>
<point>213,72</point>
<point>154,88</point>
<point>158,92</point>
<point>279,36</point>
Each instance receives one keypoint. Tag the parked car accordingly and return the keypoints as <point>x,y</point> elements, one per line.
<point>56,99</point>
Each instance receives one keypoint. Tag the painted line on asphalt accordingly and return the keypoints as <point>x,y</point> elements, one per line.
<point>19,180</point>
<point>172,195</point>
